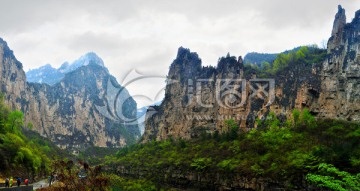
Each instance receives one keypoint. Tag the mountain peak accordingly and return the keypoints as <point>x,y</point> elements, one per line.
<point>8,52</point>
<point>186,53</point>
<point>357,17</point>
<point>48,74</point>
<point>46,66</point>
<point>92,58</point>
<point>338,28</point>
<point>340,9</point>
<point>64,66</point>
<point>339,22</point>
<point>89,58</point>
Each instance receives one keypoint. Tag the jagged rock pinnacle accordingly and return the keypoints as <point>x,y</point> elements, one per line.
<point>240,60</point>
<point>338,28</point>
<point>339,22</point>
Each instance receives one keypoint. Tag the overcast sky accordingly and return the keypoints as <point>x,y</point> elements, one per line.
<point>145,35</point>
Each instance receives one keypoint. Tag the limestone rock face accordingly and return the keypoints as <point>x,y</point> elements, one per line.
<point>338,29</point>
<point>12,77</point>
<point>340,94</point>
<point>195,102</point>
<point>65,112</point>
<point>198,100</point>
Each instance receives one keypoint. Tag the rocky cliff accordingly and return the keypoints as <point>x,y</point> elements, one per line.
<point>67,111</point>
<point>202,98</point>
<point>340,77</point>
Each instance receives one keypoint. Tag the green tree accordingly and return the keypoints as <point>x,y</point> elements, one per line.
<point>307,119</point>
<point>232,128</point>
<point>296,116</point>
<point>272,121</point>
<point>30,126</point>
<point>281,62</point>
<point>332,178</point>
<point>201,164</point>
<point>266,66</point>
<point>15,120</point>
<point>301,53</point>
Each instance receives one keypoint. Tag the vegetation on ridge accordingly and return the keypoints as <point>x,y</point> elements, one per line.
<point>18,154</point>
<point>299,149</point>
<point>301,55</point>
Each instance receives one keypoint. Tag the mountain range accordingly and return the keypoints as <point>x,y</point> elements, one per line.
<point>49,75</point>
<point>324,81</point>
<point>65,104</point>
<point>64,107</point>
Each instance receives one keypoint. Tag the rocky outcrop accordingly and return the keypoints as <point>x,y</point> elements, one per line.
<point>174,116</point>
<point>340,87</point>
<point>199,99</point>
<point>66,112</point>
<point>338,29</point>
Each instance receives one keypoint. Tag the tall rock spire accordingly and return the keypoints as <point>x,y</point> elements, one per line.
<point>339,22</point>
<point>338,28</point>
<point>340,95</point>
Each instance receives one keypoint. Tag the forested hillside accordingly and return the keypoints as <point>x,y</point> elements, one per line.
<point>26,156</point>
<point>300,153</point>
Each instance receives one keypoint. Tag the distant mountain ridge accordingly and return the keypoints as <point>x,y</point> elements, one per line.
<point>50,75</point>
<point>66,112</point>
<point>141,114</point>
<point>258,58</point>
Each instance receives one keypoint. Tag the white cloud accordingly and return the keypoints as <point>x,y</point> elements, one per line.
<point>146,34</point>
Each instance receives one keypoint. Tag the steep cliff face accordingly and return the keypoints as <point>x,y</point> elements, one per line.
<point>66,112</point>
<point>13,80</point>
<point>340,95</point>
<point>202,98</point>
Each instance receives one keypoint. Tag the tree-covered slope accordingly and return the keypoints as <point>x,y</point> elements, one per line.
<point>300,153</point>
<point>23,155</point>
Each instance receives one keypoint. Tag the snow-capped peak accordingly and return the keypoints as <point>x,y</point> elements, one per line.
<point>89,58</point>
<point>48,74</point>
